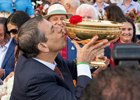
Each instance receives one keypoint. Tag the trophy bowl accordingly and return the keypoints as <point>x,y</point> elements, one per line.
<point>85,30</point>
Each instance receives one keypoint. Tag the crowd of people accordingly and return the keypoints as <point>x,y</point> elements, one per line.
<point>38,61</point>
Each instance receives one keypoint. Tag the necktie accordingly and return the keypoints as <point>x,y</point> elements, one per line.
<point>58,72</point>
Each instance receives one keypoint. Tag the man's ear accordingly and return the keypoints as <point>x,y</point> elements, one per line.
<point>43,47</point>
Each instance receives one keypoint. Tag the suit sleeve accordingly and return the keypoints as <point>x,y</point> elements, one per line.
<point>9,61</point>
<point>82,82</point>
<point>9,67</point>
<point>72,68</point>
<point>48,88</point>
<point>51,89</point>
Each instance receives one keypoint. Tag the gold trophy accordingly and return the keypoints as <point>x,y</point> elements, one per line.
<point>84,30</point>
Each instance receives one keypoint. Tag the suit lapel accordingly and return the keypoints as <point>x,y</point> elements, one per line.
<point>9,52</point>
<point>66,73</point>
<point>59,80</point>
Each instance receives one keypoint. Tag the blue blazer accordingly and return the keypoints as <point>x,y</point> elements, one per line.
<point>35,81</point>
<point>71,50</point>
<point>107,52</point>
<point>9,62</point>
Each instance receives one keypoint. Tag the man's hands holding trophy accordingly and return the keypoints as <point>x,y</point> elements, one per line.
<point>90,38</point>
<point>90,51</point>
<point>93,54</point>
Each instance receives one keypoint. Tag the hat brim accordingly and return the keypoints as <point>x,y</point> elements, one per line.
<point>48,16</point>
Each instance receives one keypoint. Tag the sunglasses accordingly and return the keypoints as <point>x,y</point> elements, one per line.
<point>13,31</point>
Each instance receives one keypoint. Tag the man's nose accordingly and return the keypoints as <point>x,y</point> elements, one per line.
<point>60,22</point>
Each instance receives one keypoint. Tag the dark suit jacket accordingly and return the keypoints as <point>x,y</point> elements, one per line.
<point>9,62</point>
<point>35,81</point>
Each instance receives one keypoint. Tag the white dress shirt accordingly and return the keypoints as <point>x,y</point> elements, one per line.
<point>3,51</point>
<point>102,9</point>
<point>50,65</point>
<point>82,69</point>
<point>133,5</point>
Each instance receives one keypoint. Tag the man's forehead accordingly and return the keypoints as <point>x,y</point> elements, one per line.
<point>58,15</point>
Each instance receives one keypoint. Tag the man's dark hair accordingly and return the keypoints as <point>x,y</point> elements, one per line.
<point>123,83</point>
<point>29,36</point>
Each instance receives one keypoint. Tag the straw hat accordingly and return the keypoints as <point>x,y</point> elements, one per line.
<point>56,9</point>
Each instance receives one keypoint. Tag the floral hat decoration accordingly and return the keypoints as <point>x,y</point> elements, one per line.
<point>56,9</point>
<point>135,16</point>
<point>40,7</point>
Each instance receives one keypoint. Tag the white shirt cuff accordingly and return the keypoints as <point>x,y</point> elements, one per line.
<point>84,69</point>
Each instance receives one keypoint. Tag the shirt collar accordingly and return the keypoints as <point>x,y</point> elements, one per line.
<point>95,4</point>
<point>132,3</point>
<point>104,4</point>
<point>49,65</point>
<point>7,44</point>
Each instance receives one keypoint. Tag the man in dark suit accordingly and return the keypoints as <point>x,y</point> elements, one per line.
<point>7,46</point>
<point>36,73</point>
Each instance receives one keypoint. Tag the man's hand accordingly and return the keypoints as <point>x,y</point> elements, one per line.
<point>90,50</point>
<point>1,72</point>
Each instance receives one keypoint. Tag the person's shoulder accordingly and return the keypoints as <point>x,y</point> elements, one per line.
<point>119,4</point>
<point>29,62</point>
<point>29,69</point>
<point>106,4</point>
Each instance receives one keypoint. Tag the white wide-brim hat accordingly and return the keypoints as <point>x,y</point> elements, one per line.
<point>56,9</point>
